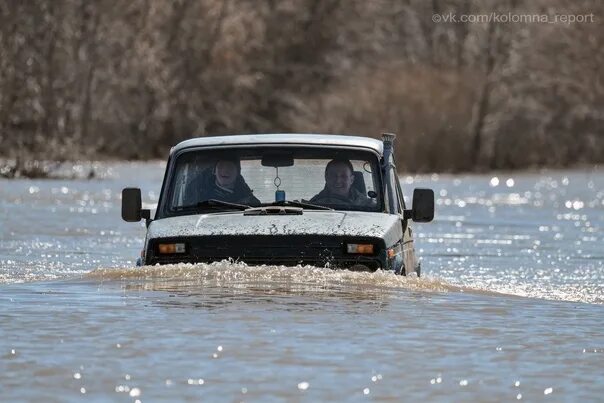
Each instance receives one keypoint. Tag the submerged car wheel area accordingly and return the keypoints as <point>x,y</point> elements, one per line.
<point>286,199</point>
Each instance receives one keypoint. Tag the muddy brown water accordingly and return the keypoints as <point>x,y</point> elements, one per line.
<point>510,306</point>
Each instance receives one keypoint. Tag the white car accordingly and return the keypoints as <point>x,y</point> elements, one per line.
<point>287,199</point>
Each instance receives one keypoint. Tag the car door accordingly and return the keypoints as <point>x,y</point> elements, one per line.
<point>409,257</point>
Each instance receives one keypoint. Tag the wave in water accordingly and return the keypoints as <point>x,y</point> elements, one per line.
<point>286,279</point>
<point>301,279</point>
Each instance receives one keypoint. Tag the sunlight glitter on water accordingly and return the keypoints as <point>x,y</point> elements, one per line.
<point>519,241</point>
<point>531,232</point>
<point>274,328</point>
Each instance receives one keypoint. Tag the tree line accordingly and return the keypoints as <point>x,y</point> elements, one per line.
<point>128,79</point>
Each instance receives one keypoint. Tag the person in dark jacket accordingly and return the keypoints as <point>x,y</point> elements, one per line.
<point>338,189</point>
<point>224,183</point>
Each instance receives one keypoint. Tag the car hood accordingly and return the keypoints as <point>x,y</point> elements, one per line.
<point>348,223</point>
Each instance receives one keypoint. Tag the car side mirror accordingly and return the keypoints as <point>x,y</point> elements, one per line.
<point>132,205</point>
<point>423,206</point>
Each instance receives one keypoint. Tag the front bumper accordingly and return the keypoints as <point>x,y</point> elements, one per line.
<point>291,250</point>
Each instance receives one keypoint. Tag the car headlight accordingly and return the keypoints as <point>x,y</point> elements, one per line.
<point>171,248</point>
<point>360,248</point>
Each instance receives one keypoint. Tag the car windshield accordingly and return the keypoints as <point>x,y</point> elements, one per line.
<point>310,178</point>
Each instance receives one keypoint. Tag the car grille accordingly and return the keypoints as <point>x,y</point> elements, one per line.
<point>278,250</point>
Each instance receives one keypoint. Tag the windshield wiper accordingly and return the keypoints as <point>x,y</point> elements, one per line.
<point>212,203</point>
<point>303,204</point>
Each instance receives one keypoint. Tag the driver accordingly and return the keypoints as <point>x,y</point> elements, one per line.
<point>338,189</point>
<point>225,183</point>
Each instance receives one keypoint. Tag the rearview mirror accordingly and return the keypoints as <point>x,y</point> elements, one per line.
<point>131,204</point>
<point>276,160</point>
<point>423,205</point>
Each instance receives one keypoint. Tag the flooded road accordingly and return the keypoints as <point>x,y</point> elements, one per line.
<point>510,305</point>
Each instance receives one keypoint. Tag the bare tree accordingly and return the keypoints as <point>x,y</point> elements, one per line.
<point>129,78</point>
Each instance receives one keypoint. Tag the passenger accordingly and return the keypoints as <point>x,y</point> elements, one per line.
<point>338,189</point>
<point>225,183</point>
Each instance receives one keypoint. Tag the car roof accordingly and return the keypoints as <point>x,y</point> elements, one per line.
<point>283,138</point>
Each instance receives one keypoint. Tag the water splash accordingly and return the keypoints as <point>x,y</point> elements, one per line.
<point>298,279</point>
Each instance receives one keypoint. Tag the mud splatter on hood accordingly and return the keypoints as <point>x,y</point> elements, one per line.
<point>351,223</point>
